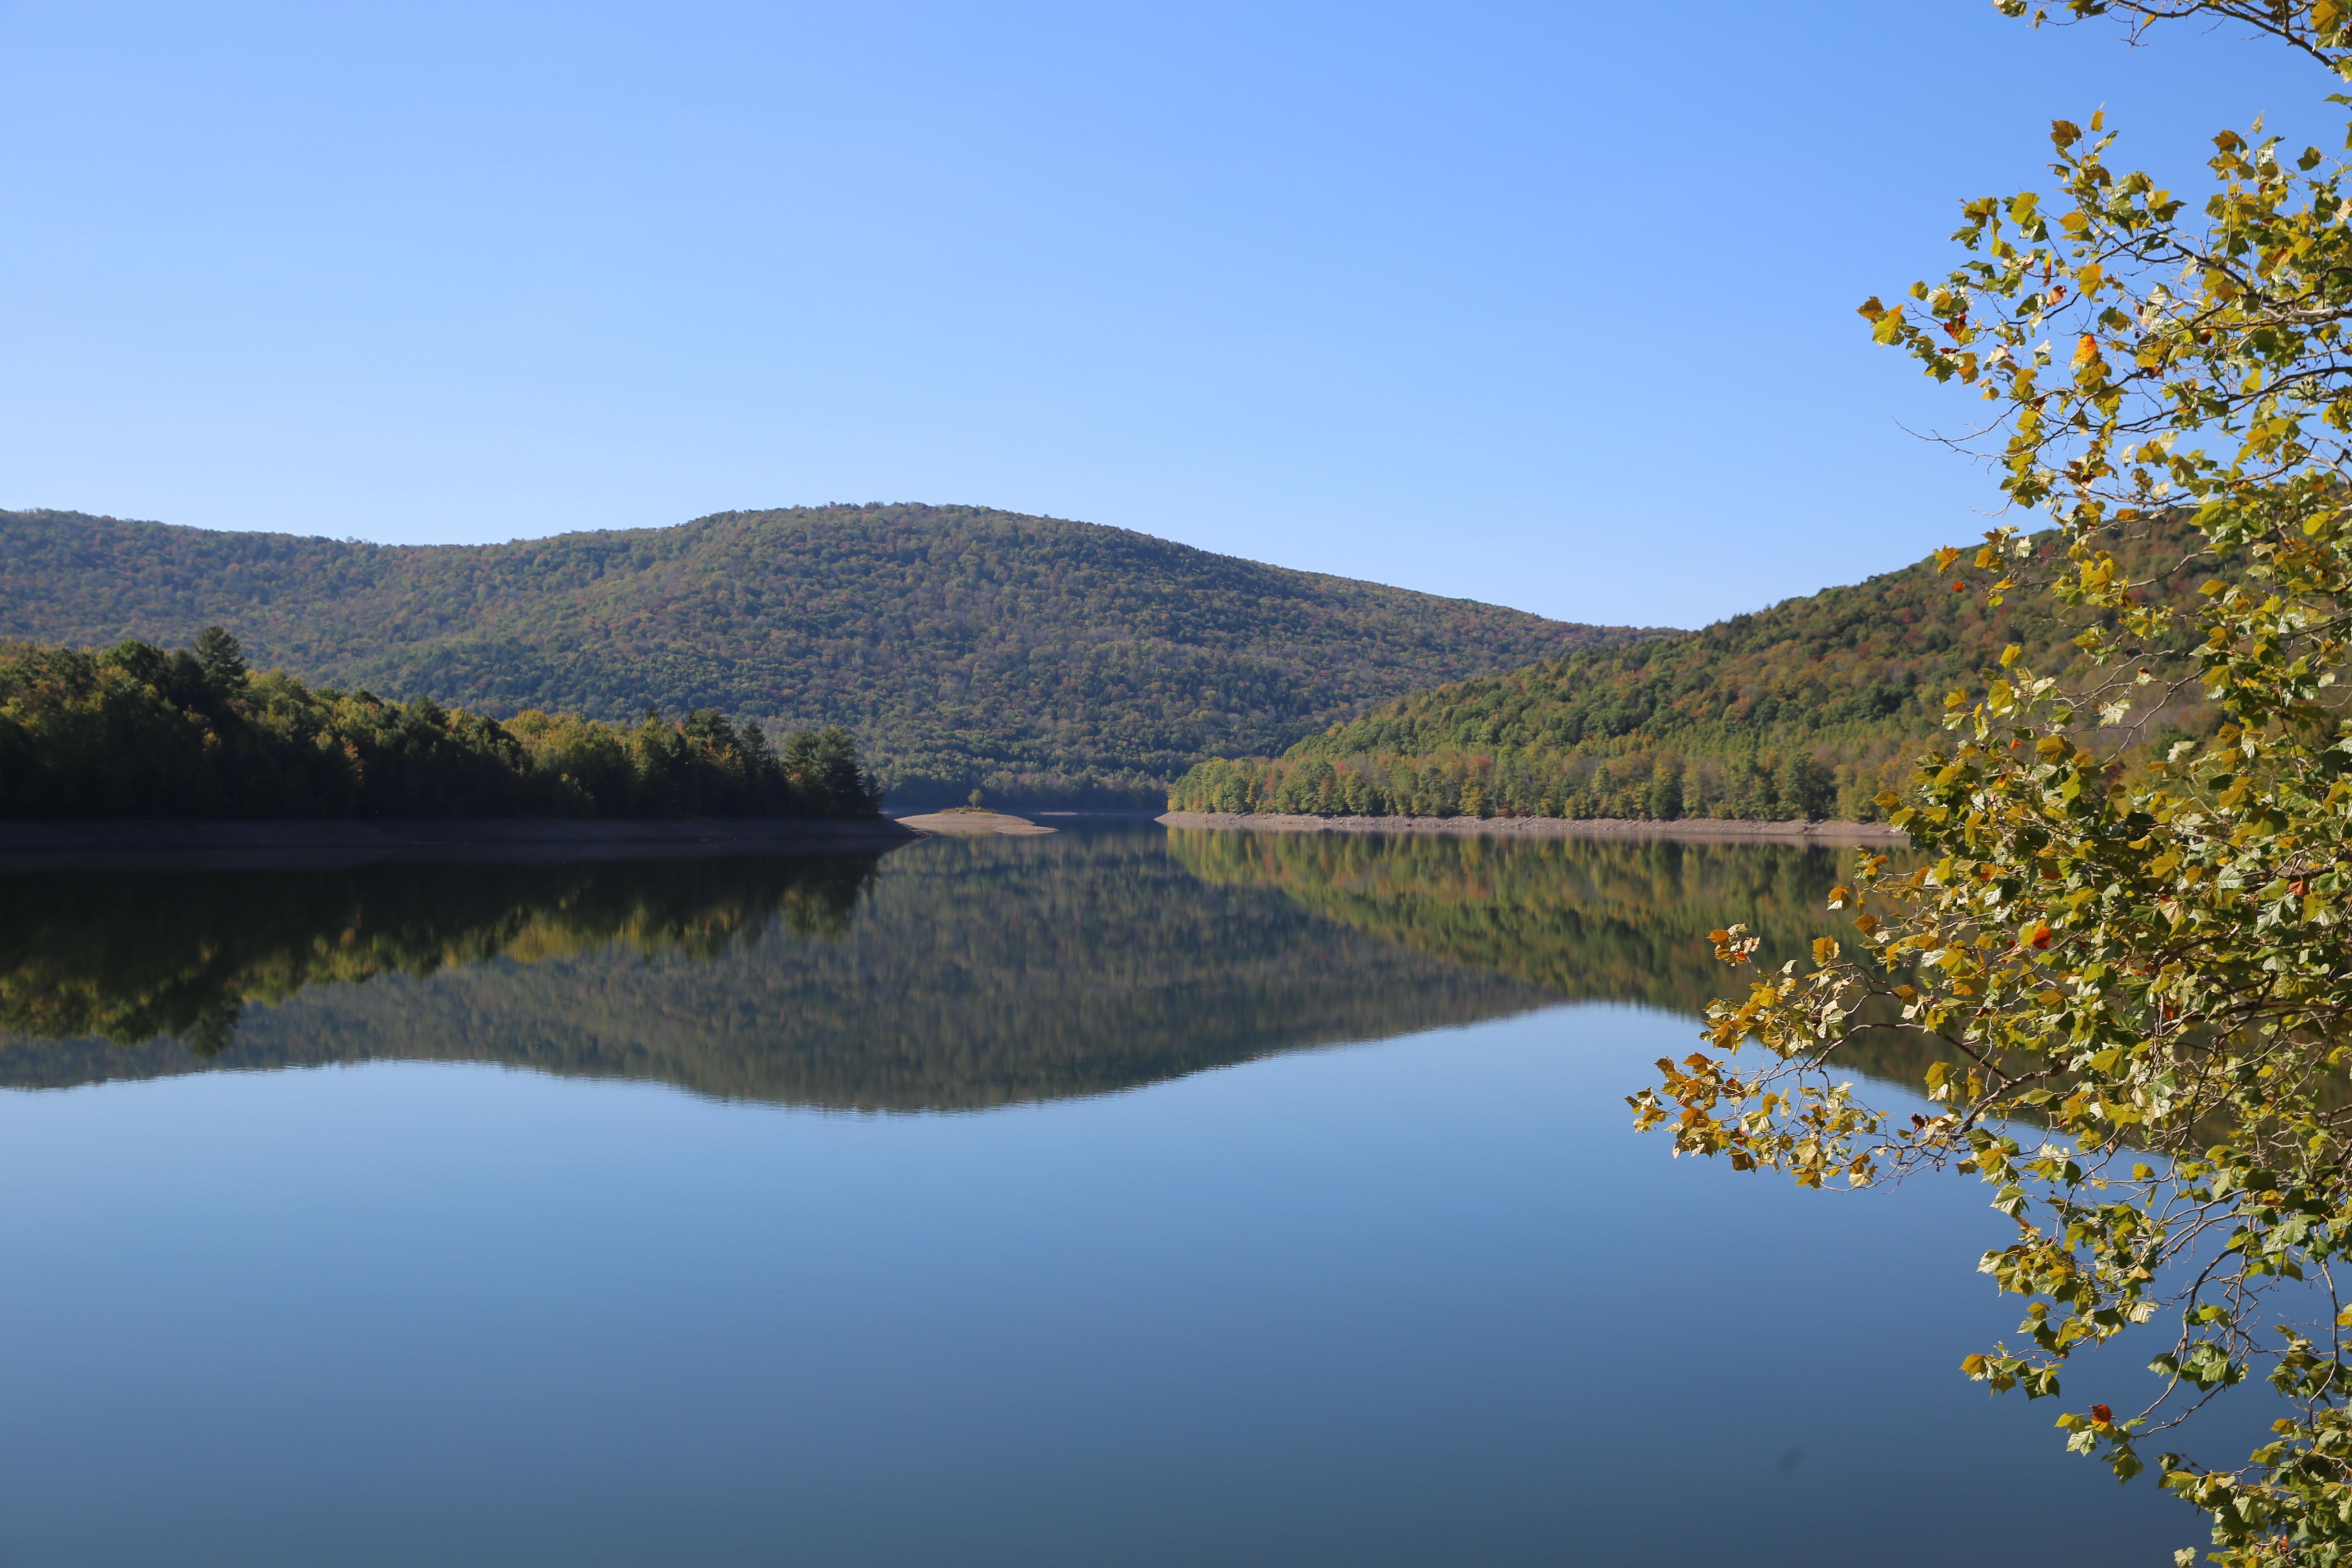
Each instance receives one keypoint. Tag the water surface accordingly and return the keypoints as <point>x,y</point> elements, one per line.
<point>1104,1198</point>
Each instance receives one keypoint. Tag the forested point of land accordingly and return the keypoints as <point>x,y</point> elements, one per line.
<point>1039,660</point>
<point>1809,709</point>
<point>138,730</point>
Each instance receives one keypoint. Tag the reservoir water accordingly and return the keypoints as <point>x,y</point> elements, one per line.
<point>1116,1196</point>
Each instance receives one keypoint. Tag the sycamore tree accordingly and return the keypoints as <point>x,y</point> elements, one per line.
<point>2129,963</point>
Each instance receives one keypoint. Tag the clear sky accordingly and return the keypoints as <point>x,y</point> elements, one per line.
<point>1546,305</point>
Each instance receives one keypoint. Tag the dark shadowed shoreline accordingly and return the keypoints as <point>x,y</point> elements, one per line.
<point>163,844</point>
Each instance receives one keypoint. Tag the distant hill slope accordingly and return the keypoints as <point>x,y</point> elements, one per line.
<point>1806,709</point>
<point>1034,656</point>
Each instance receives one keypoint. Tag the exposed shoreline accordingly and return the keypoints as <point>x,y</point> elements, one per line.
<point>312,843</point>
<point>1702,827</point>
<point>964,822</point>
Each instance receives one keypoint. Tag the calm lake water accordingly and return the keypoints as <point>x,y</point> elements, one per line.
<point>1112,1197</point>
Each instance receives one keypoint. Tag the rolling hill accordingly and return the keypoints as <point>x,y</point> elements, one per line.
<point>1805,708</point>
<point>1038,659</point>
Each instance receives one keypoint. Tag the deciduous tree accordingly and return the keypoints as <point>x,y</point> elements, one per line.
<point>2139,963</point>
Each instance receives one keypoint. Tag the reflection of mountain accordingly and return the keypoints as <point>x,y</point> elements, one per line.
<point>974,973</point>
<point>953,973</point>
<point>1584,918</point>
<point>131,958</point>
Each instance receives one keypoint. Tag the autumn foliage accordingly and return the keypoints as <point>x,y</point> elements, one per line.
<point>2135,983</point>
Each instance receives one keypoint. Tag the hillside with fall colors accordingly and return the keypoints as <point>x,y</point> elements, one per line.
<point>1807,709</point>
<point>1035,658</point>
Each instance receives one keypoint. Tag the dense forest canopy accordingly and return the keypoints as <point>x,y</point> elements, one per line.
<point>1035,657</point>
<point>136,730</point>
<point>1809,709</point>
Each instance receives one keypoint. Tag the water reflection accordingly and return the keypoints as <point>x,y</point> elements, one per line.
<point>1584,920</point>
<point>951,975</point>
<point>130,959</point>
<point>1435,1303</point>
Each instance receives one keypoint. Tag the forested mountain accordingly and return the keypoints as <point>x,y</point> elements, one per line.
<point>1806,709</point>
<point>1034,656</point>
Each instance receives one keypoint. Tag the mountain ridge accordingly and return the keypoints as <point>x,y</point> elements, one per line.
<point>1035,658</point>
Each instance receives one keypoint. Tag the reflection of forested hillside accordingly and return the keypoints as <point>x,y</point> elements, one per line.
<point>974,972</point>
<point>131,958</point>
<point>1582,919</point>
<point>953,973</point>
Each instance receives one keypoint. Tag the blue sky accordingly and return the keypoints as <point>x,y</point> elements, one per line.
<point>1551,305</point>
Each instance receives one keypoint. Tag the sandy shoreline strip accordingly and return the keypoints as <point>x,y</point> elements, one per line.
<point>313,844</point>
<point>1704,827</point>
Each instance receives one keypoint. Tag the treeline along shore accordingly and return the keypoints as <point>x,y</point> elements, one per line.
<point>142,732</point>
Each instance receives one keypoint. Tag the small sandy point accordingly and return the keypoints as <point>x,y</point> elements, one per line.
<point>964,820</point>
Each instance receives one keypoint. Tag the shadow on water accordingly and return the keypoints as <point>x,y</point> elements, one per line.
<point>952,974</point>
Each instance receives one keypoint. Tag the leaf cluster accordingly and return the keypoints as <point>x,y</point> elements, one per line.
<point>2138,981</point>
